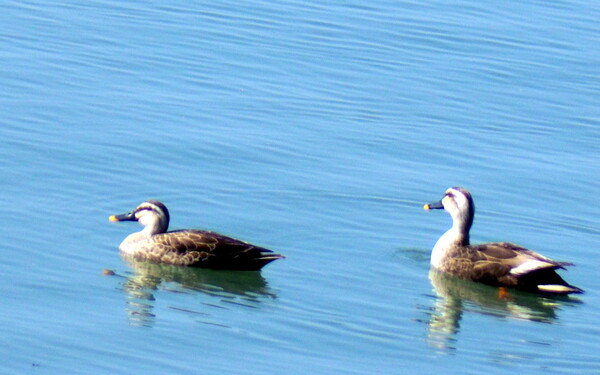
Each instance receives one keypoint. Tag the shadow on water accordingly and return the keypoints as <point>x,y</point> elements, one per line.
<point>246,288</point>
<point>456,296</point>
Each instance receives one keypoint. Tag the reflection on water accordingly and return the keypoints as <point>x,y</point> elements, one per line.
<point>456,296</point>
<point>241,287</point>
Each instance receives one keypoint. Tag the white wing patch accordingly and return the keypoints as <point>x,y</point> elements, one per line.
<point>530,266</point>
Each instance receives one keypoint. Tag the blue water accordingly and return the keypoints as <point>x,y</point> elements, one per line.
<point>318,131</point>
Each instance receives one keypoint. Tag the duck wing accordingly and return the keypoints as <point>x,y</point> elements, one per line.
<point>205,249</point>
<point>519,260</point>
<point>507,264</point>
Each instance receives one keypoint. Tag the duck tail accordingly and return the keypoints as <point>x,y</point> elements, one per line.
<point>559,289</point>
<point>546,280</point>
<point>269,257</point>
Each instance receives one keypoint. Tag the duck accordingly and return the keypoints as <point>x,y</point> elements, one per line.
<point>187,247</point>
<point>500,264</point>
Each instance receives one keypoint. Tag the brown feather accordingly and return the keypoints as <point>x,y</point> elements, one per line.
<point>196,248</point>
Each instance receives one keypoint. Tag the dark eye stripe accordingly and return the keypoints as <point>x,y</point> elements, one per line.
<point>145,209</point>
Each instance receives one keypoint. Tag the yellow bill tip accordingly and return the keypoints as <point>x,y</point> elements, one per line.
<point>426,207</point>
<point>112,218</point>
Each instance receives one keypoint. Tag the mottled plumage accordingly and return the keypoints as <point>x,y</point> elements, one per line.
<point>190,247</point>
<point>498,263</point>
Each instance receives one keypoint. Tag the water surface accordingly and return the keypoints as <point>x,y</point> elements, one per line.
<point>316,130</point>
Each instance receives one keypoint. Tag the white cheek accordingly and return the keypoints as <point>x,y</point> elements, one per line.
<point>447,202</point>
<point>143,220</point>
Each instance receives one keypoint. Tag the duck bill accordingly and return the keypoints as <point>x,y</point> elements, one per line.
<point>130,216</point>
<point>434,206</point>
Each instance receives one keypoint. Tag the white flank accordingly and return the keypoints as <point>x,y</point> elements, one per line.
<point>555,288</point>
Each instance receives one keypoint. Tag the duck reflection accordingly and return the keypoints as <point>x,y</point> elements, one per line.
<point>455,296</point>
<point>241,287</point>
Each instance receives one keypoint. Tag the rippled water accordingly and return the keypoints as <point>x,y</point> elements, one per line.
<point>318,131</point>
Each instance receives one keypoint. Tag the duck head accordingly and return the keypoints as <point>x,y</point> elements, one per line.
<point>153,215</point>
<point>458,203</point>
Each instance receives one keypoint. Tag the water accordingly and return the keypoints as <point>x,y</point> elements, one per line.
<point>316,130</point>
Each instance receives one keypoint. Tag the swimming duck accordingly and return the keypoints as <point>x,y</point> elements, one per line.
<point>499,263</point>
<point>189,247</point>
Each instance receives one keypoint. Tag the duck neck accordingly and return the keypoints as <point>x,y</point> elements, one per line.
<point>461,225</point>
<point>457,236</point>
<point>153,226</point>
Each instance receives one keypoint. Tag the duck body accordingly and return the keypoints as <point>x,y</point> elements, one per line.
<point>497,263</point>
<point>189,247</point>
